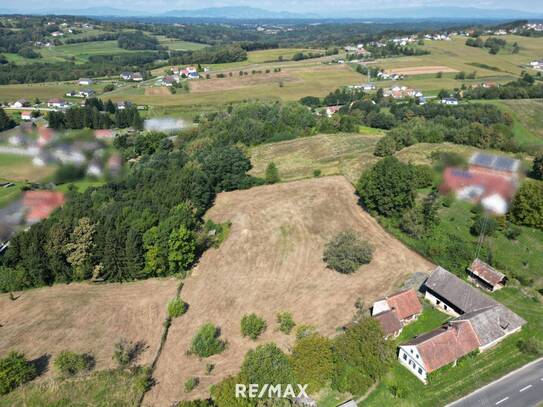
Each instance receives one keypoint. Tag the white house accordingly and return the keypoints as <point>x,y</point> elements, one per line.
<point>449,101</point>
<point>20,103</point>
<point>57,103</point>
<point>85,82</point>
<point>26,115</point>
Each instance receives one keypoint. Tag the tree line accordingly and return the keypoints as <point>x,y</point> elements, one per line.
<point>209,55</point>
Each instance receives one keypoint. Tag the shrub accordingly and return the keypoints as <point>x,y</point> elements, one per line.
<point>252,326</point>
<point>206,342</point>
<point>512,232</point>
<point>304,331</point>
<point>272,174</point>
<point>317,173</point>
<point>286,322</point>
<point>70,363</point>
<point>346,252</point>
<point>489,226</point>
<point>191,384</point>
<point>126,352</point>
<point>531,346</point>
<point>176,307</point>
<point>15,370</point>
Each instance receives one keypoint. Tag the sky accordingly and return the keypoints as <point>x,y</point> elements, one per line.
<point>320,6</point>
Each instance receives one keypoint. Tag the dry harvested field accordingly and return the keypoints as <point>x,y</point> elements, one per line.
<point>271,262</point>
<point>85,318</point>
<point>421,70</point>
<point>162,91</point>
<point>237,82</point>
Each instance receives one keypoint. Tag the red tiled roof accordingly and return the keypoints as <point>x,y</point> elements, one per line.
<point>445,345</point>
<point>406,303</point>
<point>455,180</point>
<point>103,133</point>
<point>486,272</point>
<point>40,204</point>
<point>389,322</point>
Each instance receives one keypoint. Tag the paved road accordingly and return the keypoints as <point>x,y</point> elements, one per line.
<point>522,388</point>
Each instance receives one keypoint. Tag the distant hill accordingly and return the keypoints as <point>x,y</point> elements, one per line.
<point>237,13</point>
<point>248,13</point>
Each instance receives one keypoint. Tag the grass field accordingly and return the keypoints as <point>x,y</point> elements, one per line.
<point>105,388</point>
<point>80,52</point>
<point>8,195</point>
<point>273,255</point>
<point>179,45</point>
<point>332,154</point>
<point>528,125</point>
<point>85,317</point>
<point>20,168</point>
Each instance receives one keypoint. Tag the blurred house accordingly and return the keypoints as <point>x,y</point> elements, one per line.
<point>46,135</point>
<point>490,180</point>
<point>40,204</point>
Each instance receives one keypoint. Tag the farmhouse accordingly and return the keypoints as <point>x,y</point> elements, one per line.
<point>494,164</point>
<point>167,81</point>
<point>40,204</point>
<point>20,103</point>
<point>331,110</point>
<point>127,76</point>
<point>57,103</point>
<point>397,310</point>
<point>85,82</point>
<point>485,276</point>
<point>26,115</point>
<point>137,77</point>
<point>449,101</point>
<point>480,323</point>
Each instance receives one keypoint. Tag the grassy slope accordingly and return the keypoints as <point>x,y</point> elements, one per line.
<point>105,388</point>
<point>333,154</point>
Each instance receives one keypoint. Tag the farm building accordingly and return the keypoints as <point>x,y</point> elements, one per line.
<point>485,275</point>
<point>397,310</point>
<point>85,82</point>
<point>449,101</point>
<point>494,164</point>
<point>480,323</point>
<point>57,103</point>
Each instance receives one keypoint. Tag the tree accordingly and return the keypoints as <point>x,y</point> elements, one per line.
<point>252,326</point>
<point>126,352</point>
<point>6,122</point>
<point>388,187</point>
<point>312,361</point>
<point>206,342</point>
<point>272,174</point>
<point>182,249</point>
<point>537,168</point>
<point>78,250</point>
<point>361,357</point>
<point>15,370</point>
<point>346,252</point>
<point>224,394</point>
<point>385,147</point>
<point>527,205</point>
<point>267,364</point>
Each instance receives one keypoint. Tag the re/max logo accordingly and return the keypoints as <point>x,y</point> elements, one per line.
<point>269,390</point>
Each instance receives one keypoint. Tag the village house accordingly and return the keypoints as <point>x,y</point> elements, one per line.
<point>85,82</point>
<point>449,101</point>
<point>20,103</point>
<point>127,76</point>
<point>485,276</point>
<point>480,323</point>
<point>396,311</point>
<point>167,81</point>
<point>57,34</point>
<point>137,77</point>
<point>40,204</point>
<point>57,103</point>
<point>26,115</point>
<point>331,110</point>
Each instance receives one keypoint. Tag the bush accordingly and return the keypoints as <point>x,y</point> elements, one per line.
<point>70,363</point>
<point>126,352</point>
<point>267,364</point>
<point>531,346</point>
<point>15,371</point>
<point>191,384</point>
<point>252,326</point>
<point>512,232</point>
<point>272,174</point>
<point>312,361</point>
<point>176,307</point>
<point>346,252</point>
<point>206,342</point>
<point>317,173</point>
<point>489,225</point>
<point>305,330</point>
<point>286,322</point>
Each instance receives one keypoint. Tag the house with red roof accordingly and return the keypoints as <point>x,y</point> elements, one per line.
<point>46,135</point>
<point>396,311</point>
<point>40,204</point>
<point>26,115</point>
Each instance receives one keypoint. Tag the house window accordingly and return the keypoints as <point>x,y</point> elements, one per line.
<point>404,356</point>
<point>411,350</point>
<point>420,371</point>
<point>444,306</point>
<point>438,302</point>
<point>417,356</point>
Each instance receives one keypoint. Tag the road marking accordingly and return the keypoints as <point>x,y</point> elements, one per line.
<point>502,400</point>
<point>525,388</point>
